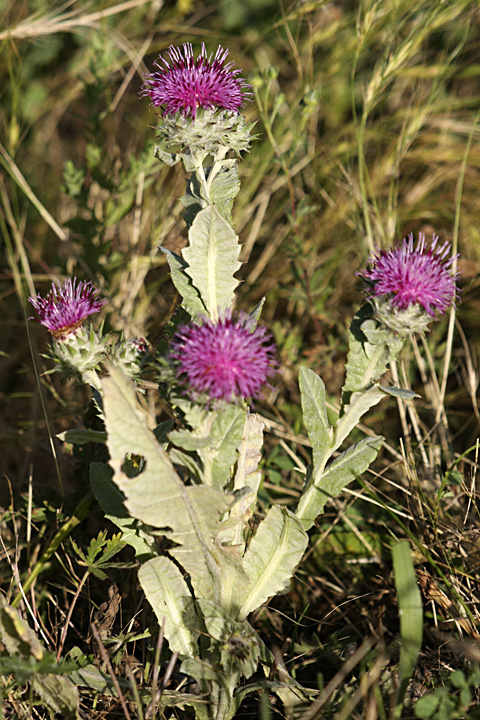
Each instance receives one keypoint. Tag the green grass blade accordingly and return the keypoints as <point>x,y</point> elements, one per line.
<point>411,617</point>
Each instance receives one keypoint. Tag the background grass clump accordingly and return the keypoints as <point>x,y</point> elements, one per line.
<point>368,130</point>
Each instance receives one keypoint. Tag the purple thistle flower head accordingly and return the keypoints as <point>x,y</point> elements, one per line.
<point>185,84</point>
<point>406,281</point>
<point>65,308</point>
<point>225,360</point>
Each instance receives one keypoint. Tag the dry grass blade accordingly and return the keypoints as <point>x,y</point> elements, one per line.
<point>368,130</point>
<point>109,667</point>
<point>68,22</point>
<point>14,172</point>
<point>338,679</point>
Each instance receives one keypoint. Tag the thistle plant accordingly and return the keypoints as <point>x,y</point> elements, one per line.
<point>197,480</point>
<point>76,350</point>
<point>410,286</point>
<point>224,360</point>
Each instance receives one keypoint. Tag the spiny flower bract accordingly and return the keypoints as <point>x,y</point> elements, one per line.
<point>411,275</point>
<point>65,308</point>
<point>225,360</point>
<point>185,84</point>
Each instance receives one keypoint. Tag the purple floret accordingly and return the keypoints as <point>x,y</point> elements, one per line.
<point>226,360</point>
<point>421,275</point>
<point>65,308</point>
<point>185,84</point>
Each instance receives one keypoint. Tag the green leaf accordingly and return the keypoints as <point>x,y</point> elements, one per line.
<point>202,671</point>
<point>247,477</point>
<point>249,454</point>
<point>292,694</point>
<point>458,679</point>
<point>372,347</point>
<point>257,310</point>
<point>16,635</point>
<point>272,556</point>
<point>169,159</point>
<point>212,258</point>
<point>411,617</point>
<point>236,643</point>
<point>111,500</point>
<point>80,437</point>
<point>92,677</point>
<point>225,188</point>
<point>189,515</point>
<point>59,693</point>
<point>187,461</point>
<point>168,594</point>
<point>315,416</point>
<point>329,484</point>
<point>193,201</point>
<point>186,440</point>
<point>191,299</point>
<point>224,438</point>
<point>162,430</point>
<point>426,706</point>
<point>359,403</point>
<point>400,393</point>
<point>19,640</point>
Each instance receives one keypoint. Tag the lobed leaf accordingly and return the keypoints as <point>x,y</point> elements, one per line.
<point>248,476</point>
<point>212,258</point>
<point>191,300</point>
<point>188,515</point>
<point>224,189</point>
<point>224,438</point>
<point>372,347</point>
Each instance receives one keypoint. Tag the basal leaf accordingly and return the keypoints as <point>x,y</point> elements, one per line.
<point>189,515</point>
<point>92,677</point>
<point>168,594</point>
<point>203,672</point>
<point>272,556</point>
<point>212,258</point>
<point>235,644</point>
